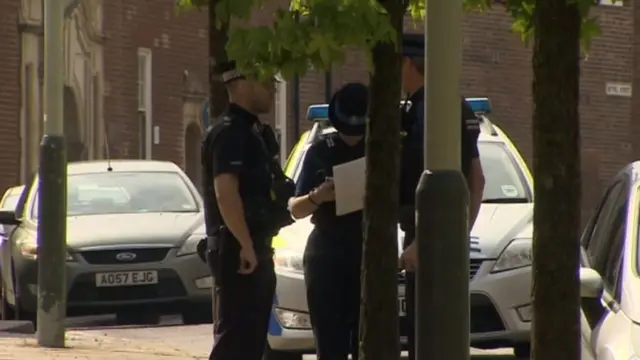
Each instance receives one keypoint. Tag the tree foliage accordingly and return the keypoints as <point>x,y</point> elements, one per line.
<point>317,33</point>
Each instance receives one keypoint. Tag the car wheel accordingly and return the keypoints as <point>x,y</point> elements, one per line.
<point>17,311</point>
<point>137,317</point>
<point>6,311</point>
<point>522,351</point>
<point>271,354</point>
<point>195,314</point>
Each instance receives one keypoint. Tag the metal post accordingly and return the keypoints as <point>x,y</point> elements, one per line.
<point>442,197</point>
<point>52,187</point>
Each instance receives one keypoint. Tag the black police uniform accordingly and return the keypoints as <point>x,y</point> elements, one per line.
<point>235,146</point>
<point>412,166</point>
<point>333,253</point>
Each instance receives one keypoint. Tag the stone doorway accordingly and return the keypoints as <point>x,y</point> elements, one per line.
<point>72,128</point>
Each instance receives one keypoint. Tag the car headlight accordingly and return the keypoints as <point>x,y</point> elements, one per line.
<point>30,251</point>
<point>516,255</point>
<point>191,245</point>
<point>288,261</point>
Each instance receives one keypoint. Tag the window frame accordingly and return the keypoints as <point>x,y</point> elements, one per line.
<point>607,254</point>
<point>145,102</point>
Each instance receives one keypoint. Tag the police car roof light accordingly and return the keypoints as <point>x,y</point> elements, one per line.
<point>480,105</point>
<point>318,112</point>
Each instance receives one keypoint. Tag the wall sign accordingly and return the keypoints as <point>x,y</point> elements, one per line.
<point>618,89</point>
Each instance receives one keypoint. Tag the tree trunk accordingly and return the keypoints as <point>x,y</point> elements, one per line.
<point>556,170</point>
<point>379,335</point>
<point>218,37</point>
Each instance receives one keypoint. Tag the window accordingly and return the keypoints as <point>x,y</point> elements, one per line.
<point>126,193</point>
<point>144,103</point>
<point>101,131</point>
<point>606,238</point>
<point>10,201</point>
<point>144,70</point>
<point>504,181</point>
<point>30,145</point>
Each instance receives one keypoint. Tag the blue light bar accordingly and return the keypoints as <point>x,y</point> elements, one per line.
<point>318,112</point>
<point>480,105</point>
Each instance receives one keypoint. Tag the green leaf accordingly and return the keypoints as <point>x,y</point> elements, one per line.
<point>319,32</point>
<point>589,30</point>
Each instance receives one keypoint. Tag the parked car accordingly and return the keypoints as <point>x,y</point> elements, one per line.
<point>500,251</point>
<point>10,198</point>
<point>609,277</point>
<point>132,231</point>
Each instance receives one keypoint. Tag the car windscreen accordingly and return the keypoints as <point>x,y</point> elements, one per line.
<point>504,180</point>
<point>126,193</point>
<point>10,202</point>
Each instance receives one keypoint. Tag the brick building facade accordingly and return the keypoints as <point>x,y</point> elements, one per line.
<point>117,39</point>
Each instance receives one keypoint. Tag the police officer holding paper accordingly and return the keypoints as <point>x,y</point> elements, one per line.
<point>412,162</point>
<point>245,195</point>
<point>333,252</point>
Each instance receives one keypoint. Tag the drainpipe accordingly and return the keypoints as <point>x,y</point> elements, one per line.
<point>328,86</point>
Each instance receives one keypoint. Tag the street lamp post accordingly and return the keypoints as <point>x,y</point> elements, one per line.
<point>52,187</point>
<point>442,197</point>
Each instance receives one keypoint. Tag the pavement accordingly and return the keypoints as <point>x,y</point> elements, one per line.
<point>98,338</point>
<point>91,346</point>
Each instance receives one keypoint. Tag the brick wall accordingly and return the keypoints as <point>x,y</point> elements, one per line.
<point>496,64</point>
<point>178,43</point>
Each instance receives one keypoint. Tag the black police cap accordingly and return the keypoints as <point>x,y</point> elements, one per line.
<point>228,71</point>
<point>348,109</point>
<point>413,45</point>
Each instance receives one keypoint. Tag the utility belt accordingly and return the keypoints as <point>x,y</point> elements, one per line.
<point>214,249</point>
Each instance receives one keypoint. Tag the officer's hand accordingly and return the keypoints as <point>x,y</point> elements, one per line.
<point>248,260</point>
<point>409,258</point>
<point>325,192</point>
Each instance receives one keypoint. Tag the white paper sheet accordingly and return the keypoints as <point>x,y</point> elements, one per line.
<point>348,179</point>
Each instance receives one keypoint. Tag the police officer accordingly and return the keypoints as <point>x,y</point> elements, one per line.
<point>237,183</point>
<point>333,252</point>
<point>412,162</point>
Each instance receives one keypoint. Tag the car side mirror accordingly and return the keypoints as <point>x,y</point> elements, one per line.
<point>591,284</point>
<point>8,217</point>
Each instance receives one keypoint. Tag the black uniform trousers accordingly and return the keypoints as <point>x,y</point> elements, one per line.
<point>410,296</point>
<point>333,297</point>
<point>410,321</point>
<point>244,307</point>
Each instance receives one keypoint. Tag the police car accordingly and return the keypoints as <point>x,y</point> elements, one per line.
<point>500,268</point>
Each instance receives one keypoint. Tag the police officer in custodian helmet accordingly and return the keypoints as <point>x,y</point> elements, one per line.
<point>245,195</point>
<point>413,48</point>
<point>333,253</point>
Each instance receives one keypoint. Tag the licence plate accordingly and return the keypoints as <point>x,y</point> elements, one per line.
<point>402,306</point>
<point>126,278</point>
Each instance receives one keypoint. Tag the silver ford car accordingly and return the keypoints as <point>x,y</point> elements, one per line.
<point>500,252</point>
<point>132,231</point>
